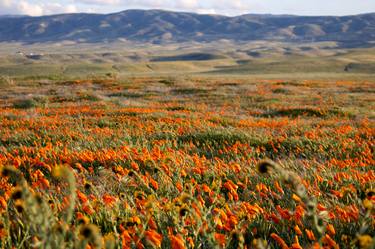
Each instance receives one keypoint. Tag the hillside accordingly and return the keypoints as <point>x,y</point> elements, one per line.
<point>157,26</point>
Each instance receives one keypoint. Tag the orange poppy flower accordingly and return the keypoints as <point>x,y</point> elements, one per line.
<point>284,213</point>
<point>3,202</point>
<point>44,182</point>
<point>277,186</point>
<point>296,244</point>
<point>220,238</point>
<point>279,241</point>
<point>310,235</point>
<point>151,223</point>
<point>154,184</point>
<point>296,198</point>
<point>177,242</point>
<point>179,187</point>
<point>135,166</point>
<point>331,229</point>
<point>206,188</point>
<point>316,246</point>
<point>297,230</point>
<point>82,197</point>
<point>153,238</point>
<point>329,241</point>
<point>108,199</point>
<point>88,209</point>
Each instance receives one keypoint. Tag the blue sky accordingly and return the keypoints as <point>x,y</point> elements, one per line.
<point>225,7</point>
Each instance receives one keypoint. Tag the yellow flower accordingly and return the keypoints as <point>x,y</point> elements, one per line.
<point>84,220</point>
<point>185,198</point>
<point>367,204</point>
<point>137,220</point>
<point>365,241</point>
<point>296,198</point>
<point>133,221</point>
<point>60,172</point>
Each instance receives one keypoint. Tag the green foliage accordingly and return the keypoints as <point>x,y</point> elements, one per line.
<point>26,103</point>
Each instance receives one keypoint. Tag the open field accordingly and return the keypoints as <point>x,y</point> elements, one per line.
<point>325,60</point>
<point>131,152</point>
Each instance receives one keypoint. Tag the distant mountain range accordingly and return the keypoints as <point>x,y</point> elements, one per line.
<point>158,26</point>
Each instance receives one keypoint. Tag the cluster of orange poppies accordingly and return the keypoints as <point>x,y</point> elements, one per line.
<point>156,176</point>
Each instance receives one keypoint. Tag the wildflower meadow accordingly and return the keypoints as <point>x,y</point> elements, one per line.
<point>189,162</point>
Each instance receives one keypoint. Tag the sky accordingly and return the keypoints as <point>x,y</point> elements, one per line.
<point>223,7</point>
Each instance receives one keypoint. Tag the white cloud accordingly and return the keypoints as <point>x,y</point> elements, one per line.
<point>29,9</point>
<point>101,2</point>
<point>207,11</point>
<point>52,8</point>
<point>235,7</point>
<point>24,7</point>
<point>6,3</point>
<point>188,4</point>
<point>184,4</point>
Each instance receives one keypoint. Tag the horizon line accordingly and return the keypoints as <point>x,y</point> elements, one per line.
<point>184,11</point>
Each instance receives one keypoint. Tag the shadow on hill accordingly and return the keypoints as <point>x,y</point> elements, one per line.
<point>189,57</point>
